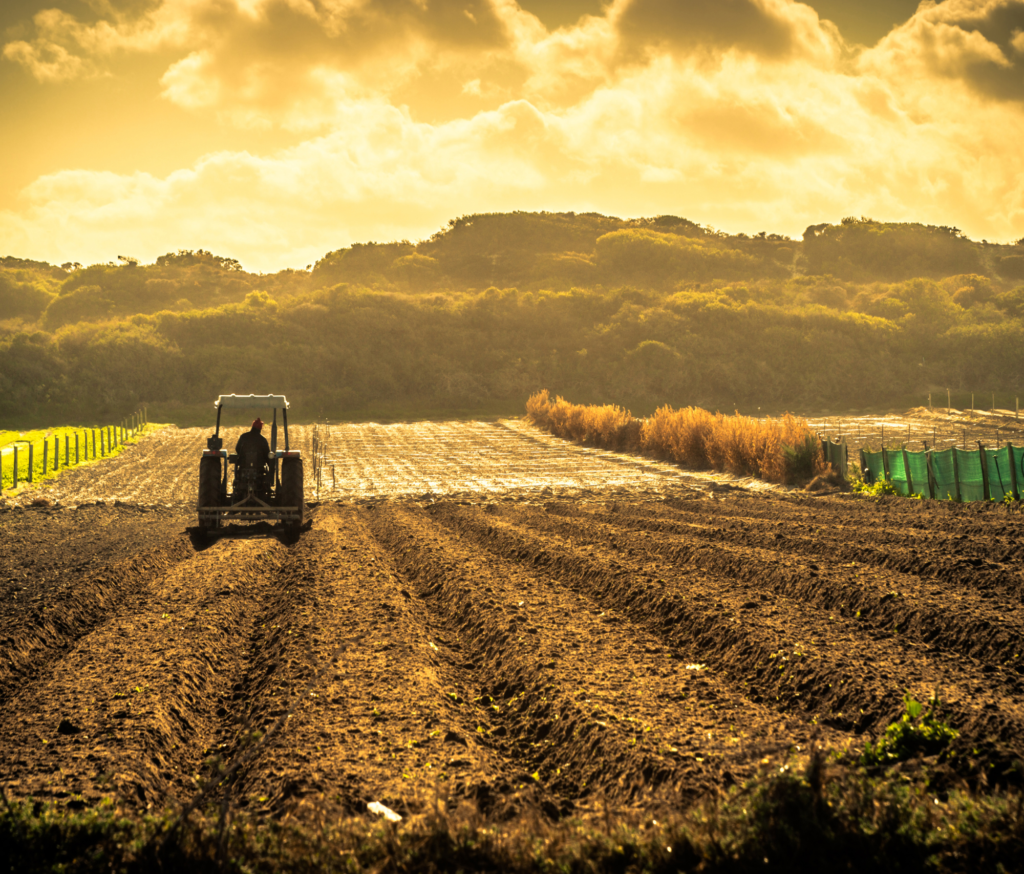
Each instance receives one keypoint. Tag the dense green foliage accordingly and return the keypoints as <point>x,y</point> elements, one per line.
<point>495,307</point>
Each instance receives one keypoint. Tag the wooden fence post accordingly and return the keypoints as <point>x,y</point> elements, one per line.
<point>906,471</point>
<point>956,476</point>
<point>94,443</point>
<point>931,474</point>
<point>885,464</point>
<point>14,484</point>
<point>56,452</point>
<point>77,461</point>
<point>46,455</point>
<point>984,472</point>
<point>67,450</point>
<point>31,462</point>
<point>1013,473</point>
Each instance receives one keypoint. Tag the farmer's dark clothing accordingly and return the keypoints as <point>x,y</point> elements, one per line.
<point>252,449</point>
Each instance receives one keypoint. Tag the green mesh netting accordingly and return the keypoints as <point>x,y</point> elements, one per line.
<point>918,464</point>
<point>912,476</point>
<point>945,480</point>
<point>875,471</point>
<point>898,474</point>
<point>1000,481</point>
<point>972,486</point>
<point>1017,454</point>
<point>836,454</point>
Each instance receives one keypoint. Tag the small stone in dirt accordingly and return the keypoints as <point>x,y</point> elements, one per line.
<point>68,727</point>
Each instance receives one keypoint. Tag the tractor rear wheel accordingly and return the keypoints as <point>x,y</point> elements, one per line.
<point>209,489</point>
<point>290,493</point>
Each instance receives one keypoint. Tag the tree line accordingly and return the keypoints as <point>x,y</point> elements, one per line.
<point>495,307</point>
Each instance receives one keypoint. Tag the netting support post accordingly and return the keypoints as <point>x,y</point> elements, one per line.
<point>906,471</point>
<point>885,464</point>
<point>864,472</point>
<point>984,472</point>
<point>46,454</point>
<point>31,461</point>
<point>931,474</point>
<point>956,476</point>
<point>1013,473</point>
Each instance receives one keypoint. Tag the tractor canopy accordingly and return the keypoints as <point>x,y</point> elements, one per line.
<point>245,402</point>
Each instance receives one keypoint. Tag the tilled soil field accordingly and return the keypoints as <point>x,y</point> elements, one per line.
<point>650,638</point>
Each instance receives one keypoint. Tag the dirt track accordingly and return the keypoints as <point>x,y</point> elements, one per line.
<point>652,638</point>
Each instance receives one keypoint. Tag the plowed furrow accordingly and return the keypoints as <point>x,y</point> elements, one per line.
<point>834,578</point>
<point>590,701</point>
<point>991,564</point>
<point>795,658</point>
<point>940,521</point>
<point>42,627</point>
<point>132,708</point>
<point>375,703</point>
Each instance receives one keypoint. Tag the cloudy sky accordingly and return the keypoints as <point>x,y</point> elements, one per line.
<point>273,131</point>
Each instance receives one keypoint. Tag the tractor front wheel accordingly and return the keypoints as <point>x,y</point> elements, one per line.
<point>290,494</point>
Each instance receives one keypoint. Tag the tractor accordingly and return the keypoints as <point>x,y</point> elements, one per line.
<point>261,489</point>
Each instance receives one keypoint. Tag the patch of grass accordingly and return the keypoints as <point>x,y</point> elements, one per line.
<point>808,815</point>
<point>876,489</point>
<point>65,437</point>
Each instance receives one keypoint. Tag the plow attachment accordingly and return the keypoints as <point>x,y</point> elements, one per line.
<point>249,509</point>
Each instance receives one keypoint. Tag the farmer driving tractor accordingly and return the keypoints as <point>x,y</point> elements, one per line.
<point>253,452</point>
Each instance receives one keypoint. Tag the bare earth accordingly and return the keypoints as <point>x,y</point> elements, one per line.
<point>484,611</point>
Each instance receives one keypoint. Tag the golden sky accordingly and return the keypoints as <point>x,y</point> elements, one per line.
<point>273,131</point>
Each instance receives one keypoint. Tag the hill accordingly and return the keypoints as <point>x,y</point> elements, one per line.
<point>493,307</point>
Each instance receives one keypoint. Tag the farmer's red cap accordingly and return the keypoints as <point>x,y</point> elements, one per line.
<point>257,424</point>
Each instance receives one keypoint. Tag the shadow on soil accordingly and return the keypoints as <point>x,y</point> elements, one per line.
<point>203,538</point>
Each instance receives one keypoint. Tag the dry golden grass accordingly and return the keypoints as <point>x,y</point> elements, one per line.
<point>607,426</point>
<point>775,450</point>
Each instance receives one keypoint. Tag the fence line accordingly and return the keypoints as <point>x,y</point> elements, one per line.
<point>104,440</point>
<point>982,474</point>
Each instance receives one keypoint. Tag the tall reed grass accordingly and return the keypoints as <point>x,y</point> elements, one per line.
<point>782,450</point>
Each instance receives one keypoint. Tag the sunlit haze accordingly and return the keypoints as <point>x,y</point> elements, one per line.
<point>273,131</point>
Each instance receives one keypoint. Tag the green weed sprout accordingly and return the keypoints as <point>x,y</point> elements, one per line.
<point>918,731</point>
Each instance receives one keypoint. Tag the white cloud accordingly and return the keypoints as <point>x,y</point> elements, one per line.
<point>770,125</point>
<point>958,43</point>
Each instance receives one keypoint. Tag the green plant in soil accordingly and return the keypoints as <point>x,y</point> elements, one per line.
<point>919,731</point>
<point>875,489</point>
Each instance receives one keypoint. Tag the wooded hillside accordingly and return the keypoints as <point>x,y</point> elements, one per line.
<point>494,307</point>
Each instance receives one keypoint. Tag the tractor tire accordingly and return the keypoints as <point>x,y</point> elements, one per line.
<point>209,488</point>
<point>290,494</point>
